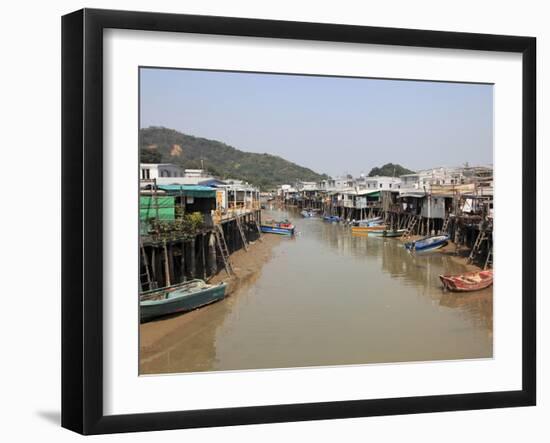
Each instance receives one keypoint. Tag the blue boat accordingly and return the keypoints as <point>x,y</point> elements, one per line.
<point>367,222</point>
<point>179,298</point>
<point>281,228</point>
<point>428,243</point>
<point>331,218</point>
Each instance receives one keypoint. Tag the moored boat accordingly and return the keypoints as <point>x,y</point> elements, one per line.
<point>331,218</point>
<point>428,243</point>
<point>182,297</point>
<point>275,227</point>
<point>309,213</point>
<point>368,229</point>
<point>367,221</point>
<point>393,233</point>
<point>468,282</point>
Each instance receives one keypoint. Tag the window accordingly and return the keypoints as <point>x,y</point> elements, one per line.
<point>390,185</point>
<point>380,184</point>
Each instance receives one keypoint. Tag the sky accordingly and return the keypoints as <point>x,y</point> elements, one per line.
<point>332,125</point>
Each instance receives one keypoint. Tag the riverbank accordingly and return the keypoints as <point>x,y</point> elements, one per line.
<point>458,255</point>
<point>159,335</point>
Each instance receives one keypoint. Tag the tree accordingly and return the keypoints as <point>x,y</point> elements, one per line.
<point>149,156</point>
<point>389,170</point>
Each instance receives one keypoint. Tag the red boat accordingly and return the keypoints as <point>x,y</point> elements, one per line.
<point>470,281</point>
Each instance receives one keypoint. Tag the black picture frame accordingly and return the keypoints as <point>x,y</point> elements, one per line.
<point>82,218</point>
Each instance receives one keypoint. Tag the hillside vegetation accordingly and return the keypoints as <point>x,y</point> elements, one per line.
<point>158,145</point>
<point>390,170</point>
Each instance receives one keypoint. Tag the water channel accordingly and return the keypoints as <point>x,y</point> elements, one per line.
<point>327,297</point>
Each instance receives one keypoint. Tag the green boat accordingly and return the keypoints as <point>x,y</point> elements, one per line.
<point>182,297</point>
<point>394,233</point>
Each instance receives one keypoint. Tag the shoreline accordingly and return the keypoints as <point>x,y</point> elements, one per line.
<point>246,264</point>
<point>459,256</point>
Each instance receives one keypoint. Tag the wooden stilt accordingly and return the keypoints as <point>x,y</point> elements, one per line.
<point>203,256</point>
<point>192,256</point>
<point>182,263</point>
<point>166,266</point>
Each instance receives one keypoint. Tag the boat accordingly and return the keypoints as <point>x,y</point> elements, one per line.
<point>368,229</point>
<point>427,243</point>
<point>367,221</point>
<point>387,233</point>
<point>182,297</point>
<point>308,213</point>
<point>394,233</point>
<point>331,218</point>
<point>275,227</point>
<point>468,282</point>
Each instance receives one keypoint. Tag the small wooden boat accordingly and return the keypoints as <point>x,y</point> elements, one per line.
<point>393,233</point>
<point>182,297</point>
<point>428,243</point>
<point>468,282</point>
<point>275,227</point>
<point>368,229</point>
<point>331,218</point>
<point>367,221</point>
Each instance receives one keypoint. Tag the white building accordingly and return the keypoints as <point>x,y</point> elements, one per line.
<point>239,195</point>
<point>170,174</point>
<point>336,184</point>
<point>425,179</point>
<point>306,186</point>
<point>381,183</point>
<point>159,170</point>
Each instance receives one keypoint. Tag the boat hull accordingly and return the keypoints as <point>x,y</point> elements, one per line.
<point>397,233</point>
<point>428,244</point>
<point>469,282</point>
<point>308,214</point>
<point>331,218</point>
<point>368,229</point>
<point>173,304</point>
<point>276,230</point>
<point>367,222</point>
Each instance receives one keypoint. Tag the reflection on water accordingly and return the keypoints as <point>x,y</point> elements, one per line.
<point>329,298</point>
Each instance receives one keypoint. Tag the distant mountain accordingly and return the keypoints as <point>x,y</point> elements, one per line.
<point>390,170</point>
<point>163,145</point>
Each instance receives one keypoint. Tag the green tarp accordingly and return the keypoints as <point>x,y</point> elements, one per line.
<point>148,208</point>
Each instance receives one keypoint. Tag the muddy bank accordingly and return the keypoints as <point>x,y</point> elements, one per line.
<point>458,255</point>
<point>247,263</point>
<point>156,336</point>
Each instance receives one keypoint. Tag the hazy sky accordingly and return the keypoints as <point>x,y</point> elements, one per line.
<point>331,125</point>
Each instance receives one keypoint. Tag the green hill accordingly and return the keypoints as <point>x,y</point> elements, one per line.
<point>389,170</point>
<point>159,145</point>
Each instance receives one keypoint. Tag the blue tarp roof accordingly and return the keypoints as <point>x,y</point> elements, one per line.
<point>212,182</point>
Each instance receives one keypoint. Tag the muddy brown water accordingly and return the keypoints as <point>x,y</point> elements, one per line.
<point>327,297</point>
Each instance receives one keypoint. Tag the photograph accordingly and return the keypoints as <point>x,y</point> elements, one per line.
<point>294,220</point>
